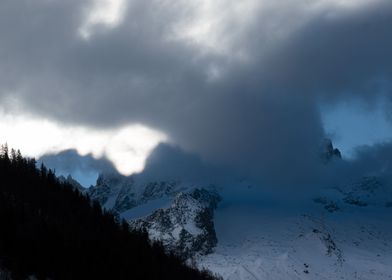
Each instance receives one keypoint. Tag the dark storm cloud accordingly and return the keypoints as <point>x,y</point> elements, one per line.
<point>338,53</point>
<point>167,162</point>
<point>260,115</point>
<point>373,160</point>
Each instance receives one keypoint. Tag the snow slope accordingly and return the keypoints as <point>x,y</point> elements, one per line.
<point>283,238</point>
<point>343,232</point>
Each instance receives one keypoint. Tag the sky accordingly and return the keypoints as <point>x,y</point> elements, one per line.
<point>252,85</point>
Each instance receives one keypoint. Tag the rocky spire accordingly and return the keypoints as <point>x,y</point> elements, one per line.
<point>328,152</point>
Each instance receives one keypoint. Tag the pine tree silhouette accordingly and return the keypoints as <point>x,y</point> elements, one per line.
<point>52,231</point>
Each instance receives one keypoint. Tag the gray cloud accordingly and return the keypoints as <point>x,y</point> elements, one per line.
<point>342,54</point>
<point>261,115</point>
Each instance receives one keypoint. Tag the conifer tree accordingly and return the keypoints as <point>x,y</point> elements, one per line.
<point>49,230</point>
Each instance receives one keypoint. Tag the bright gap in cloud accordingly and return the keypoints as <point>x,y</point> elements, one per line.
<point>103,12</point>
<point>208,24</point>
<point>127,147</point>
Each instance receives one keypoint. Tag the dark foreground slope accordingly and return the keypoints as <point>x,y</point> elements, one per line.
<point>51,231</point>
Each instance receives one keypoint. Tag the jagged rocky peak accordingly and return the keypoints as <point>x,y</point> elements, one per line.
<point>156,189</point>
<point>110,179</point>
<point>186,227</point>
<point>108,187</point>
<point>121,193</point>
<point>70,180</point>
<point>329,152</point>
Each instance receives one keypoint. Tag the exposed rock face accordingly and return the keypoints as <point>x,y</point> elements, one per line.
<point>331,249</point>
<point>367,191</point>
<point>108,188</point>
<point>328,152</point>
<point>131,197</point>
<point>329,205</point>
<point>186,227</point>
<point>120,193</point>
<point>363,192</point>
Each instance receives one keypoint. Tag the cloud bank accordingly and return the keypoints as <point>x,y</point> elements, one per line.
<point>239,84</point>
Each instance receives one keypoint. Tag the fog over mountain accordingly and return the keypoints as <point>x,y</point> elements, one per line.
<point>84,169</point>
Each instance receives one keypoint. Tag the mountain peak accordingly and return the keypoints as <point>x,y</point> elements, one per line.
<point>329,152</point>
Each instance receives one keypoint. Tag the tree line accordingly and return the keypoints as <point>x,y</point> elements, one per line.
<point>50,230</point>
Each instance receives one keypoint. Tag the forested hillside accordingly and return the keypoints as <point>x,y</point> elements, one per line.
<point>50,230</point>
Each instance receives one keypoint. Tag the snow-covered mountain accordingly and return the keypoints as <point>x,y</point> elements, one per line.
<point>178,214</point>
<point>164,201</point>
<point>186,226</point>
<point>243,231</point>
<point>286,238</point>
